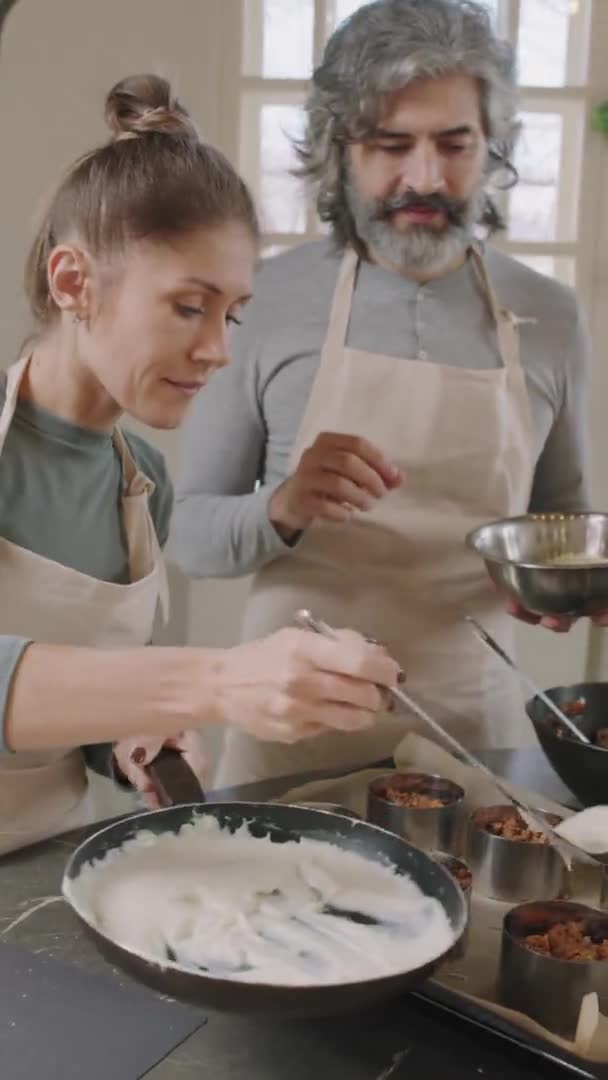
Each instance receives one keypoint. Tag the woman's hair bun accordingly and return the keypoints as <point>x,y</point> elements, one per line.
<point>144,104</point>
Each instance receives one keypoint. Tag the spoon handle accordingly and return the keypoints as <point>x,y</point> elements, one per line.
<point>493,645</point>
<point>307,621</point>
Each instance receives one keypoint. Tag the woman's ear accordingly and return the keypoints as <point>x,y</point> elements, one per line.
<point>69,276</point>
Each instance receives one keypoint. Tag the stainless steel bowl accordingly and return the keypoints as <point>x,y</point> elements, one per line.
<point>429,828</point>
<point>518,553</point>
<point>548,989</point>
<point>512,870</point>
<point>454,866</point>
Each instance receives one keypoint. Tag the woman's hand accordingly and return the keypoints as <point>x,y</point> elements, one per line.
<point>132,755</point>
<point>295,684</point>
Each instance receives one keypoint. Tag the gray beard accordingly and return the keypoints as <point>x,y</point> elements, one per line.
<point>421,248</point>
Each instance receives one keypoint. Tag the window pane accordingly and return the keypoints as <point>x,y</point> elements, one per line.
<point>492,6</point>
<point>281,195</point>
<point>342,9</point>
<point>562,267</point>
<point>549,154</point>
<point>552,43</point>
<point>267,158</point>
<point>278,38</point>
<point>533,204</point>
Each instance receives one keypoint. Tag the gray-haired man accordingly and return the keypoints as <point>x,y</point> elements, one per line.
<point>392,387</point>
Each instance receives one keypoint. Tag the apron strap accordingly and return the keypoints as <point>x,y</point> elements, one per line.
<point>339,318</point>
<point>141,531</point>
<point>507,332</point>
<point>134,482</point>
<point>507,323</point>
<point>14,376</point>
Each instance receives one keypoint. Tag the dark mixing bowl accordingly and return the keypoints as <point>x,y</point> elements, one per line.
<point>583,768</point>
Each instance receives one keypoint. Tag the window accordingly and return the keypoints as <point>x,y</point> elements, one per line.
<point>284,38</point>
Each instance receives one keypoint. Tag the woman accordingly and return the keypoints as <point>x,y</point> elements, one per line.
<point>145,255</point>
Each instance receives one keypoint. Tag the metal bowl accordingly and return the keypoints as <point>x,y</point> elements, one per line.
<point>455,866</point>
<point>518,553</point>
<point>427,828</point>
<point>512,870</point>
<point>583,768</point>
<point>548,989</point>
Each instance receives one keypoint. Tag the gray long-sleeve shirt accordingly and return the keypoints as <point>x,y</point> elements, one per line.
<point>241,430</point>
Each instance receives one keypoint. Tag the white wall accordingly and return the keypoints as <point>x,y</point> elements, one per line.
<point>58,60</point>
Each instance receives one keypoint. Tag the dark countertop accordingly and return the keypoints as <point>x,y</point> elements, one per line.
<point>408,1038</point>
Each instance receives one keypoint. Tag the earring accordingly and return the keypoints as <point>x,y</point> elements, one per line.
<point>78,318</point>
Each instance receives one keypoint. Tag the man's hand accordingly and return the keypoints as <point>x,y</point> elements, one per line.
<point>560,624</point>
<point>337,475</point>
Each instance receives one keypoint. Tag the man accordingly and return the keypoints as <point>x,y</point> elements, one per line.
<point>392,386</point>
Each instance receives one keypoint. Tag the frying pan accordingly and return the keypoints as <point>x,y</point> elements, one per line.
<point>174,781</point>
<point>582,766</point>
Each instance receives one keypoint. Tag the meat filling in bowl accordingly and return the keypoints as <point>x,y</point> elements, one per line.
<point>576,709</point>
<point>515,828</point>
<point>462,875</point>
<point>568,941</point>
<point>414,800</point>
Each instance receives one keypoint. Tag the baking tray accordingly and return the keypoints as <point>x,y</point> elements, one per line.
<point>473,1013</point>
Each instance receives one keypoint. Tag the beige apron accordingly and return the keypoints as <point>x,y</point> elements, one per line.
<point>41,794</point>
<point>402,572</point>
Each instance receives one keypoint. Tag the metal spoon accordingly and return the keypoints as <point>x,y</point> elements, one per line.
<point>489,641</point>
<point>568,851</point>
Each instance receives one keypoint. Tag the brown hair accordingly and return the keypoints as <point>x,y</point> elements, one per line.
<point>154,178</point>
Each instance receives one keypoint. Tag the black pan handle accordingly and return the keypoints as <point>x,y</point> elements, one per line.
<point>173,780</point>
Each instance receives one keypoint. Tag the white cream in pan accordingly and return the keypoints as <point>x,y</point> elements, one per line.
<point>248,909</point>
